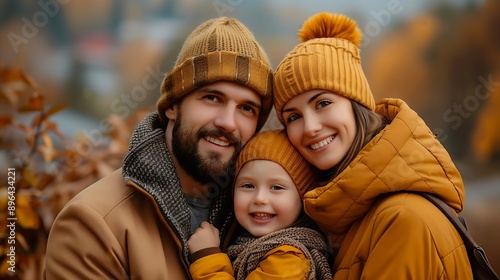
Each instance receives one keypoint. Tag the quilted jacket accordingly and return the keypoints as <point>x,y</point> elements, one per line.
<point>379,225</point>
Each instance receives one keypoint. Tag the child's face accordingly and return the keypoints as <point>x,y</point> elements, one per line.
<point>265,198</point>
<point>321,125</point>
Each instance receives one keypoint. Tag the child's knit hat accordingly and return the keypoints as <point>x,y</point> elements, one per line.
<point>219,49</point>
<point>273,145</point>
<point>328,58</point>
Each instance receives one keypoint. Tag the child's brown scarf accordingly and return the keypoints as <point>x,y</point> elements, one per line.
<point>248,251</point>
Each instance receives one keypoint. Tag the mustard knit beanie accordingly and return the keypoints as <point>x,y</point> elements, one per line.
<point>219,49</point>
<point>328,58</point>
<point>273,145</point>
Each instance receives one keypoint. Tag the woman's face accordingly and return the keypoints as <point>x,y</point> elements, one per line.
<point>321,125</point>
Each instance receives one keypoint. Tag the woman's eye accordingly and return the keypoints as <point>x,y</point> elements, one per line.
<point>291,118</point>
<point>324,103</point>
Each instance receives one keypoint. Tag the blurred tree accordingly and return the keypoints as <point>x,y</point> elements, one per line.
<point>48,169</point>
<point>437,62</point>
<point>399,67</point>
<point>465,61</point>
<point>486,135</point>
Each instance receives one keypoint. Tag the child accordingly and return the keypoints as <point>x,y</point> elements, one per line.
<point>280,242</point>
<point>375,159</point>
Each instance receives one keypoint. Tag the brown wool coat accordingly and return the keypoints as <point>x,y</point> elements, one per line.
<point>382,229</point>
<point>101,234</point>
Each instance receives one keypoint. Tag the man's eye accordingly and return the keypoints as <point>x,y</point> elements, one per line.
<point>249,109</point>
<point>211,97</point>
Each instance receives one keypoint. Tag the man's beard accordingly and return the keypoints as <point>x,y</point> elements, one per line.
<point>203,169</point>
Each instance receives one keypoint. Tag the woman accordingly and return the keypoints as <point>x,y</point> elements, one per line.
<point>376,158</point>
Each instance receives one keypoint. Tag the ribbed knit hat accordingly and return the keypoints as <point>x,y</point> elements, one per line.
<point>328,59</point>
<point>219,49</point>
<point>273,145</point>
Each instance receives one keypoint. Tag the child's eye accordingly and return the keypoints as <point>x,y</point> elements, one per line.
<point>247,186</point>
<point>276,187</point>
<point>323,103</point>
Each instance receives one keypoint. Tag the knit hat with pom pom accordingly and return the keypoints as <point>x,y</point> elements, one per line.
<point>328,59</point>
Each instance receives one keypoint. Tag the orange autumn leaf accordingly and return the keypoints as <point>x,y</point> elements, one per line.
<point>52,126</point>
<point>5,120</point>
<point>29,177</point>
<point>55,109</point>
<point>24,128</point>
<point>35,102</point>
<point>11,92</point>
<point>11,74</point>
<point>42,117</point>
<point>14,83</point>
<point>26,215</point>
<point>47,149</point>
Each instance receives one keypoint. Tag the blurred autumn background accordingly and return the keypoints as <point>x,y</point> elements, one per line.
<point>76,77</point>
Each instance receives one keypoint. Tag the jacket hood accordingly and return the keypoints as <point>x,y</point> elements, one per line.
<point>404,156</point>
<point>148,164</point>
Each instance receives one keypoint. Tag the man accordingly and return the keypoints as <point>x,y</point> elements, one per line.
<point>135,222</point>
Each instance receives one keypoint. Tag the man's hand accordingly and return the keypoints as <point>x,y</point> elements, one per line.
<point>205,236</point>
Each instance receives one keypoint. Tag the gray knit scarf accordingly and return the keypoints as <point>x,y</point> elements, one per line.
<point>247,252</point>
<point>149,165</point>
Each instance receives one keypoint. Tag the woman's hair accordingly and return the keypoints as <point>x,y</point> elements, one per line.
<point>303,220</point>
<point>368,124</point>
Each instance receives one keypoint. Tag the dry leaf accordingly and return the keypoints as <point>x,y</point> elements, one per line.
<point>52,127</point>
<point>26,215</point>
<point>5,120</point>
<point>55,109</point>
<point>35,102</point>
<point>29,177</point>
<point>47,149</point>
<point>11,91</point>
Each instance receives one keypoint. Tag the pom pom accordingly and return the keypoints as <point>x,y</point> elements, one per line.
<point>328,25</point>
